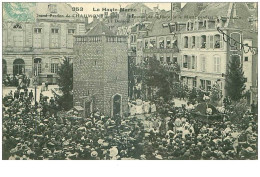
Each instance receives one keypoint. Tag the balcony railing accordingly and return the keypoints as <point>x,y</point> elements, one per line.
<point>156,50</point>
<point>97,39</point>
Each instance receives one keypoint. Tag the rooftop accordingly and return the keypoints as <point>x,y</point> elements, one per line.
<point>99,29</point>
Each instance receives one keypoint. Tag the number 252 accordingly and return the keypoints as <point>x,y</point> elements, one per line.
<point>77,8</point>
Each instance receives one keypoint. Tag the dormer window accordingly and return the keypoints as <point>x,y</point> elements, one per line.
<point>188,26</point>
<point>17,26</point>
<point>161,43</point>
<point>52,8</point>
<point>205,23</point>
<point>191,26</point>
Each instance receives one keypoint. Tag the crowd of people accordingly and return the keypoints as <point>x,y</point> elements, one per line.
<point>16,80</point>
<point>39,132</point>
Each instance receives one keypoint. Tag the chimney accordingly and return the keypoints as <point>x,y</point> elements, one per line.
<point>201,5</point>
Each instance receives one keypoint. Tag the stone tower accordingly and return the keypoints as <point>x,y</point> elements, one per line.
<point>100,71</point>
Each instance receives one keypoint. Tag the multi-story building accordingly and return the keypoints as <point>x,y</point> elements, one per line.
<point>100,71</point>
<point>37,47</point>
<point>190,38</point>
<point>205,53</point>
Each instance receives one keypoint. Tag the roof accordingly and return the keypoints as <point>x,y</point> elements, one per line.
<point>99,29</point>
<point>138,5</point>
<point>157,29</point>
<point>191,9</point>
<point>243,13</point>
<point>215,9</point>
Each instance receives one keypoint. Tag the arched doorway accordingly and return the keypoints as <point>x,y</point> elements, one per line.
<point>37,66</point>
<point>116,105</point>
<point>18,66</point>
<point>4,67</point>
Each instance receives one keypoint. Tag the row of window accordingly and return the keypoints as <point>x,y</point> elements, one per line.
<point>38,68</point>
<point>40,30</point>
<point>53,31</point>
<point>20,68</point>
<point>190,62</point>
<point>162,44</point>
<point>211,41</point>
<point>191,82</point>
<point>168,59</point>
<point>204,24</point>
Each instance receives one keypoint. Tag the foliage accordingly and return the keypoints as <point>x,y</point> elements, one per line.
<point>131,72</point>
<point>201,94</point>
<point>227,102</point>
<point>215,94</point>
<point>156,76</point>
<point>192,94</point>
<point>235,81</point>
<point>65,83</point>
<point>237,110</point>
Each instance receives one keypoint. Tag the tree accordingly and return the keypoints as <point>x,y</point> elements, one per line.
<point>192,94</point>
<point>237,111</point>
<point>235,81</point>
<point>156,76</point>
<point>65,82</point>
<point>131,79</point>
<point>215,94</point>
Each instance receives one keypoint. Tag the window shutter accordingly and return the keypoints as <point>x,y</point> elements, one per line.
<point>215,64</point>
<point>189,62</point>
<point>201,65</point>
<point>221,42</point>
<point>181,60</point>
<point>189,38</point>
<point>207,42</point>
<point>195,63</point>
<point>219,64</point>
<point>211,42</point>
<point>197,42</point>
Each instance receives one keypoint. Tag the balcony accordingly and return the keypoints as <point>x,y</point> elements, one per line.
<point>164,50</point>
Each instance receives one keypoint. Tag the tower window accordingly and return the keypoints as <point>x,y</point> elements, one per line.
<point>246,58</point>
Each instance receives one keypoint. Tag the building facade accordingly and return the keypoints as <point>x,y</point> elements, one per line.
<point>191,38</point>
<point>37,47</point>
<point>205,53</point>
<point>100,72</point>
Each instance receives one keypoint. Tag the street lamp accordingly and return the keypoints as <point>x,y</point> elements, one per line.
<point>35,83</point>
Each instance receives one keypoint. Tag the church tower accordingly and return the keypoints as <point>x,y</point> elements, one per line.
<point>100,71</point>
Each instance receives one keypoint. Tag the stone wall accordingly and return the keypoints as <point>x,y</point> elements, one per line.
<point>100,71</point>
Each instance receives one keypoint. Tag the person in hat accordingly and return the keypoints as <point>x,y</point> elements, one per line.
<point>31,95</point>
